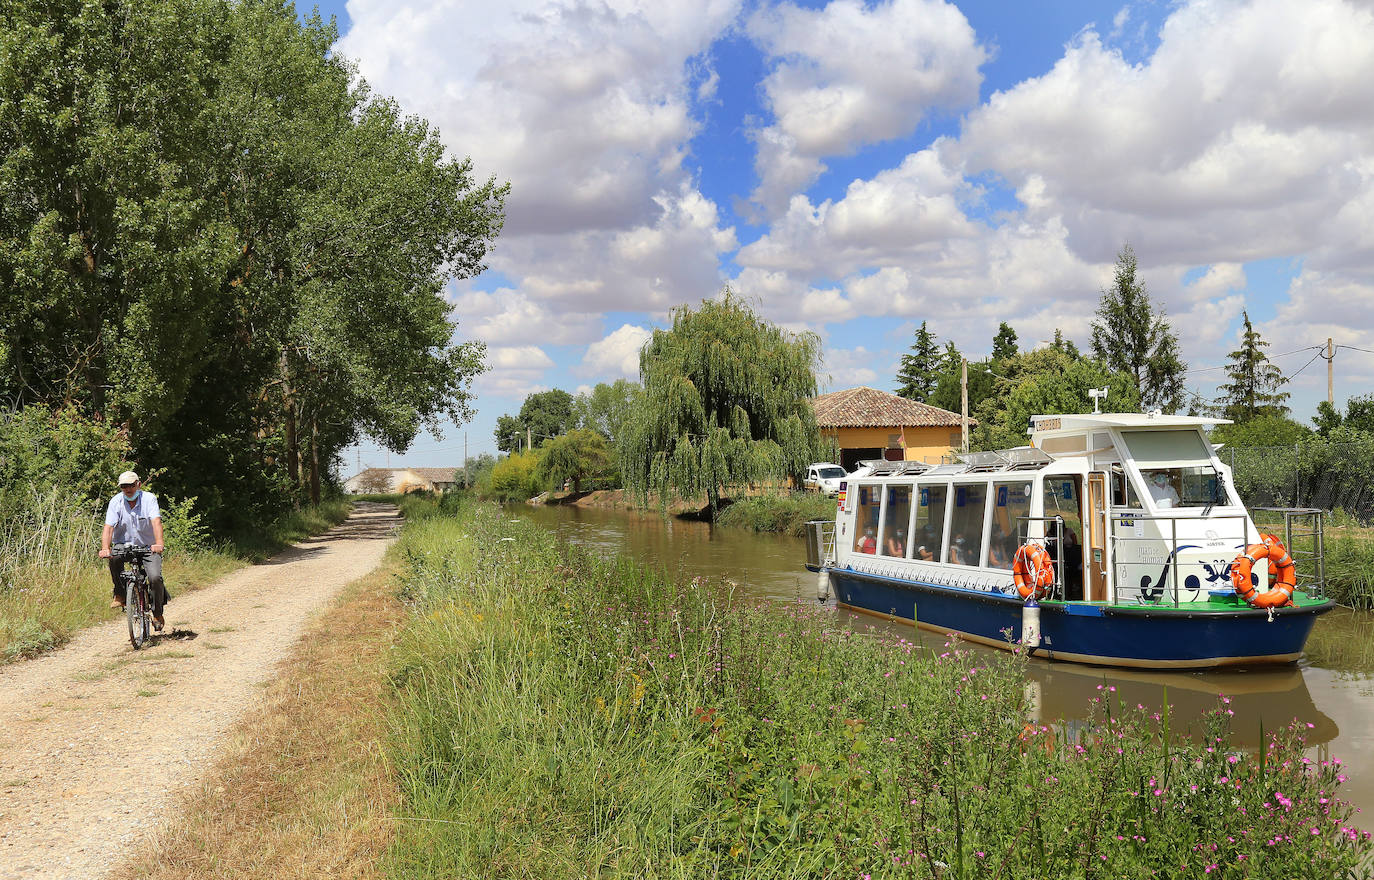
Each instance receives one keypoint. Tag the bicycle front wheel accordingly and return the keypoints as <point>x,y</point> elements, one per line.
<point>136,610</point>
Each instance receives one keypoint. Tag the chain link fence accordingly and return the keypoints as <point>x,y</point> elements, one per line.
<point>1313,473</point>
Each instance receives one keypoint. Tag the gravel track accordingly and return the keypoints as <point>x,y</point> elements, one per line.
<point>97,739</point>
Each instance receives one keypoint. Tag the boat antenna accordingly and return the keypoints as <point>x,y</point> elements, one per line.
<point>1098,395</point>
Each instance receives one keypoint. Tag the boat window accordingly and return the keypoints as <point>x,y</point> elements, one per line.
<point>896,517</point>
<point>928,532</point>
<point>866,519</point>
<point>1155,449</point>
<point>1062,498</point>
<point>966,524</point>
<point>1061,445</point>
<point>1012,502</point>
<point>1123,489</point>
<point>1195,486</point>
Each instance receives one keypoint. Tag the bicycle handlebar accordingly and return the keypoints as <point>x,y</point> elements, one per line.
<point>130,551</point>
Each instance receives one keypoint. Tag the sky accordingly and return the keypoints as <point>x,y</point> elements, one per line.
<point>855,168</point>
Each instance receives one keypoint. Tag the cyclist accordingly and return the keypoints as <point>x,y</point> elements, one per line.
<point>133,517</point>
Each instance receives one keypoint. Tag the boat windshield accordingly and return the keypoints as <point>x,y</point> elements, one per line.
<point>1176,466</point>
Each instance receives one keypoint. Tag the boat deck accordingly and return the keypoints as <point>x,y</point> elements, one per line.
<point>1218,604</point>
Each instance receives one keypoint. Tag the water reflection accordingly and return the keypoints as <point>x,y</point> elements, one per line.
<point>1331,689</point>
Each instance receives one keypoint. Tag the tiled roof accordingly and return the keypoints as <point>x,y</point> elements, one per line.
<point>437,475</point>
<point>870,408</point>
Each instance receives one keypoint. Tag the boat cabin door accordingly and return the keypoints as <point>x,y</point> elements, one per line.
<point>1095,559</point>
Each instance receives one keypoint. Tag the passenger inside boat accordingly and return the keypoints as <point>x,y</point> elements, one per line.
<point>1002,549</point>
<point>868,544</point>
<point>896,544</point>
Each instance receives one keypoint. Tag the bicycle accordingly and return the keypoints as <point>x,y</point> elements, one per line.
<point>139,607</point>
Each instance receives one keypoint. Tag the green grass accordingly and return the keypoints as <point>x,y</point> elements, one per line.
<point>295,525</point>
<point>787,513</point>
<point>562,715</point>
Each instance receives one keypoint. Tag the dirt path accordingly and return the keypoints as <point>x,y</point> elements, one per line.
<point>97,739</point>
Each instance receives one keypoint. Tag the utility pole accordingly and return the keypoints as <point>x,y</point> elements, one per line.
<point>529,443</point>
<point>1330,372</point>
<point>963,391</point>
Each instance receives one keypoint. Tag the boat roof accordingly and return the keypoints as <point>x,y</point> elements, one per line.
<point>1068,424</point>
<point>1022,458</point>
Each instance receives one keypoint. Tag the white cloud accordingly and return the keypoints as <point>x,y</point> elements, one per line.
<point>617,355</point>
<point>586,107</point>
<point>513,371</point>
<point>852,74</point>
<point>506,317</point>
<point>848,367</point>
<point>1240,138</point>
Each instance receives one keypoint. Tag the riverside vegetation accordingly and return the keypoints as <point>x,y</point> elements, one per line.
<point>559,714</point>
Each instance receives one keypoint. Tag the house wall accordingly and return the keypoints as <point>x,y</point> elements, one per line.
<point>921,444</point>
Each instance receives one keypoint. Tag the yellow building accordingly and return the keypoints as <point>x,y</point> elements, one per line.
<point>868,423</point>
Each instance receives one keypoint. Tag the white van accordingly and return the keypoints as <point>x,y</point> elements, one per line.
<point>825,477</point>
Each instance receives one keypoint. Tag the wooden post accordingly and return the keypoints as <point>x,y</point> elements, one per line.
<point>529,442</point>
<point>963,390</point>
<point>1330,372</point>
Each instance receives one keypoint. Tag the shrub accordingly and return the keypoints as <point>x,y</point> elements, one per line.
<point>515,477</point>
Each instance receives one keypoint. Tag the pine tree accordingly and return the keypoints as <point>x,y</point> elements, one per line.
<point>1131,336</point>
<point>1255,380</point>
<point>1004,343</point>
<point>1064,345</point>
<point>920,370</point>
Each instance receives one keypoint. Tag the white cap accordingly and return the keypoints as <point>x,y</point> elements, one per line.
<point>127,478</point>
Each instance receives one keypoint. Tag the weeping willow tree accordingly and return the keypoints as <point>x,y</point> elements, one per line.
<point>725,404</point>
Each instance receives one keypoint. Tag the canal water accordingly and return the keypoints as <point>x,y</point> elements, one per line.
<point>1332,688</point>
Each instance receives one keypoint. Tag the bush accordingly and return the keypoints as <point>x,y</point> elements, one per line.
<point>778,513</point>
<point>515,477</point>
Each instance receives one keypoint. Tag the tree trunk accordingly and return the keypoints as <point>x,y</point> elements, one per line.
<point>293,451</point>
<point>314,462</point>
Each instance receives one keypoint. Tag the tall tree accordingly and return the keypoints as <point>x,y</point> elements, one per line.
<point>920,371</point>
<point>509,433</point>
<point>1131,336</point>
<point>1064,345</point>
<point>1045,382</point>
<point>1255,380</point>
<point>547,414</point>
<point>1004,343</point>
<point>605,408</point>
<point>213,235</point>
<point>726,403</point>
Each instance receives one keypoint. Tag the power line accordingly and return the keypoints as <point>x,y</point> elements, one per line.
<point>1293,376</point>
<point>1271,357</point>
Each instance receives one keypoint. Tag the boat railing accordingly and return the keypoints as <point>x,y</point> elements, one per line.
<point>1304,537</point>
<point>1057,590</point>
<point>820,543</point>
<point>1168,535</point>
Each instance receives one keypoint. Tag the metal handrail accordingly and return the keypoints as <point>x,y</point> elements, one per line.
<point>1316,581</point>
<point>1172,542</point>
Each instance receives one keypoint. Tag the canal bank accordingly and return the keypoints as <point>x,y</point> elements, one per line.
<point>1332,688</point>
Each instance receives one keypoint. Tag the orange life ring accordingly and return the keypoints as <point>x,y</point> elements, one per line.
<point>1283,574</point>
<point>1032,570</point>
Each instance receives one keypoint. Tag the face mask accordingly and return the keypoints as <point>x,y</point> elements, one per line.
<point>134,497</point>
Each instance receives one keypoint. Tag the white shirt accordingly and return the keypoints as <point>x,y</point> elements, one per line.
<point>133,523</point>
<point>1164,496</point>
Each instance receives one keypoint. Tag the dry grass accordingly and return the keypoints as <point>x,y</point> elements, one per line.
<point>303,789</point>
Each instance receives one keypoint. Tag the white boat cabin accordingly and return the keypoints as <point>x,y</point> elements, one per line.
<point>1146,511</point>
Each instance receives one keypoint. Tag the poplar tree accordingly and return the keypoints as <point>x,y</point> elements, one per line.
<point>920,370</point>
<point>726,403</point>
<point>1131,336</point>
<point>1255,380</point>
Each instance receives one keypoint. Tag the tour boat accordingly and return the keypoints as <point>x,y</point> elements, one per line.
<point>1114,539</point>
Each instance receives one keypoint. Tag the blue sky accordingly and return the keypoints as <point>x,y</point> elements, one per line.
<point>856,168</point>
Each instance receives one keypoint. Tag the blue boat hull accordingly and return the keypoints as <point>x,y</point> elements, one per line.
<point>1152,637</point>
